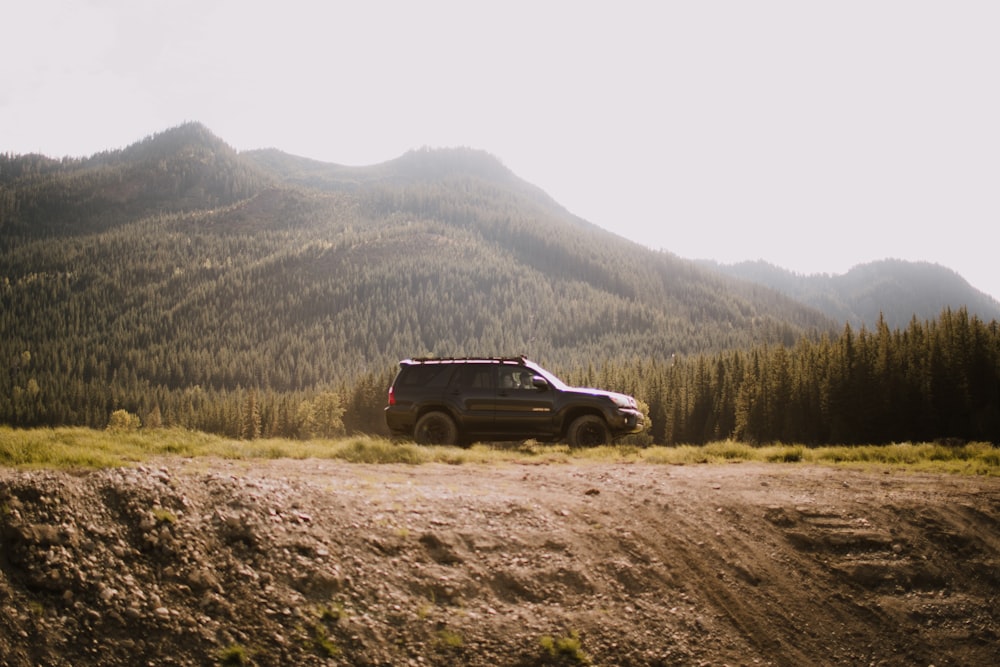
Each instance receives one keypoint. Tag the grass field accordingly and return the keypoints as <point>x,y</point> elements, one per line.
<point>85,448</point>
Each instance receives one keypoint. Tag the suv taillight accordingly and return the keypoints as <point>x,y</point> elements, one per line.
<point>392,396</point>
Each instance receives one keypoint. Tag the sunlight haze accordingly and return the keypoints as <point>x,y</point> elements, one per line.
<point>814,136</point>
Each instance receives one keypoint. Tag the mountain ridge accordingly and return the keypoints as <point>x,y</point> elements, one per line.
<point>189,168</point>
<point>895,289</point>
<point>891,288</point>
<point>181,169</point>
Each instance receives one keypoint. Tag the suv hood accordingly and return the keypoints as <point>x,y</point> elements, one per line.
<point>621,400</point>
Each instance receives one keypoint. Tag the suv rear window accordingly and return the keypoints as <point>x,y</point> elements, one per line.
<point>477,376</point>
<point>426,375</point>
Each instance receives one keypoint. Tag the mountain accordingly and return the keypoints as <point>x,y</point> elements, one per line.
<point>177,265</point>
<point>177,262</point>
<point>896,289</point>
<point>184,169</point>
<point>261,294</point>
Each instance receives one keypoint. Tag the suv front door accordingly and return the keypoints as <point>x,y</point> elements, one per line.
<point>522,407</point>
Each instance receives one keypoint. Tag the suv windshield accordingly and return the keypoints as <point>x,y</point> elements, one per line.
<point>549,377</point>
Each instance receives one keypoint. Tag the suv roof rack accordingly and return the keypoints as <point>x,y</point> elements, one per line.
<point>421,360</point>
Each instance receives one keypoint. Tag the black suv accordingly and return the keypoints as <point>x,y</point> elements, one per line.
<point>458,401</point>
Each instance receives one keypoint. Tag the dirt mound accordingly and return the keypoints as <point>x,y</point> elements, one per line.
<point>195,562</point>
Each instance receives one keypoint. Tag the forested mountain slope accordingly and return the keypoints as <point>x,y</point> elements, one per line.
<point>898,290</point>
<point>184,263</point>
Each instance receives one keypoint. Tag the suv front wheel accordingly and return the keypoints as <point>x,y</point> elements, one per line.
<point>435,428</point>
<point>588,431</point>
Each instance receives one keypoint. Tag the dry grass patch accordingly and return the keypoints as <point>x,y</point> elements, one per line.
<point>86,448</point>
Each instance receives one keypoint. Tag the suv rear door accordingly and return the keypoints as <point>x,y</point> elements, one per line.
<point>474,387</point>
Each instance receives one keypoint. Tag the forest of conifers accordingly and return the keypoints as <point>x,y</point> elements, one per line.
<point>933,380</point>
<point>938,379</point>
<point>260,295</point>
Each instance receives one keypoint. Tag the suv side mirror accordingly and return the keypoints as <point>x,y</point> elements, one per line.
<point>540,383</point>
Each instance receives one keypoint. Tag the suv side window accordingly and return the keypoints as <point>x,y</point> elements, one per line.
<point>516,377</point>
<point>477,376</point>
<point>427,375</point>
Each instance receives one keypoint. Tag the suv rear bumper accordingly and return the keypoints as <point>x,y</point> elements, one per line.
<point>400,420</point>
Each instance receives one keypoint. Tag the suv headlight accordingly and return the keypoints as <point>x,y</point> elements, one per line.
<point>624,402</point>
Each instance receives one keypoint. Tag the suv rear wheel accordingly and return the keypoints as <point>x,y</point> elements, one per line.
<point>435,428</point>
<point>588,431</point>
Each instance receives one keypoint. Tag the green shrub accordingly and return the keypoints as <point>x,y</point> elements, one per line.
<point>730,450</point>
<point>332,614</point>
<point>123,420</point>
<point>324,644</point>
<point>784,453</point>
<point>449,638</point>
<point>376,450</point>
<point>163,515</point>
<point>234,655</point>
<point>989,455</point>
<point>565,649</point>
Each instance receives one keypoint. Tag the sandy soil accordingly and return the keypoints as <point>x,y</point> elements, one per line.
<point>204,562</point>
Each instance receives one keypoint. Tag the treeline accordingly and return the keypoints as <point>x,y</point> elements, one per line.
<point>242,413</point>
<point>937,379</point>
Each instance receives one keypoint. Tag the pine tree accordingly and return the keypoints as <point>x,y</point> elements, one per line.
<point>250,419</point>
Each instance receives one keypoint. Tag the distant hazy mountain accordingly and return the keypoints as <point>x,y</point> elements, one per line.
<point>897,289</point>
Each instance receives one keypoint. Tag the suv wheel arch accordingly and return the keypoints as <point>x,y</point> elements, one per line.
<point>588,431</point>
<point>436,428</point>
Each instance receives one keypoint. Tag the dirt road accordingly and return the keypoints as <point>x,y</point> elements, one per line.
<point>200,562</point>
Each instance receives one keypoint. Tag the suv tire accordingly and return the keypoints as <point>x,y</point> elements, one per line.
<point>435,428</point>
<point>588,431</point>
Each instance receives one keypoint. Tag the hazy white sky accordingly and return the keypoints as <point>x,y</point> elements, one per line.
<point>813,135</point>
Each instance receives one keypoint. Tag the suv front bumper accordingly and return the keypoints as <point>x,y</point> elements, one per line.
<point>625,422</point>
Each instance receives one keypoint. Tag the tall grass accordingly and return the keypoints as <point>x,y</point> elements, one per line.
<point>85,448</point>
